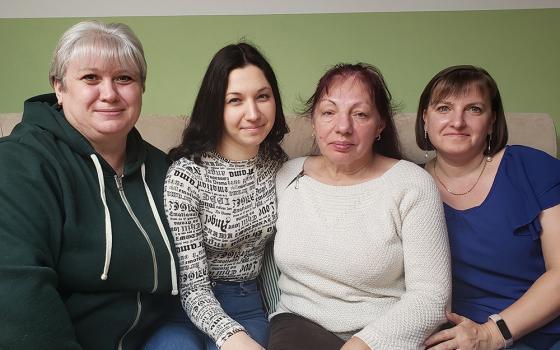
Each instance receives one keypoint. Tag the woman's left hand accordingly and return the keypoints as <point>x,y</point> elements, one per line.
<point>355,343</point>
<point>466,335</point>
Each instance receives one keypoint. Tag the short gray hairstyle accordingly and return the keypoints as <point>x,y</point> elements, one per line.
<point>114,42</point>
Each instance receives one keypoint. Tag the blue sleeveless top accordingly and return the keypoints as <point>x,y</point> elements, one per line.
<point>495,247</point>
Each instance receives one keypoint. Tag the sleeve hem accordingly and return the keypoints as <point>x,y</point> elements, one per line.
<point>222,339</point>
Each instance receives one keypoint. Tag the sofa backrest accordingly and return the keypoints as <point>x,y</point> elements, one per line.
<point>530,129</point>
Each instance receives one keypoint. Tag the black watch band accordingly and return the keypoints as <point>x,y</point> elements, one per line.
<point>502,326</point>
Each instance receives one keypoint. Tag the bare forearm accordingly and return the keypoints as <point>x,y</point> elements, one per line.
<point>538,306</point>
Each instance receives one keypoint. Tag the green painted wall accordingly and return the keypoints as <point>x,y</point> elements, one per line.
<point>521,48</point>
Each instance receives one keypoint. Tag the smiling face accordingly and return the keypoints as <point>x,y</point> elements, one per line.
<point>346,122</point>
<point>249,113</point>
<point>101,99</point>
<point>458,125</point>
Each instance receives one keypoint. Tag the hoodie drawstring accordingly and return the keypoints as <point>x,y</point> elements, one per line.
<point>109,230</point>
<point>174,290</point>
<point>108,227</point>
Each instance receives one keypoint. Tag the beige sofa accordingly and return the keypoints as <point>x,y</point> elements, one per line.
<point>531,129</point>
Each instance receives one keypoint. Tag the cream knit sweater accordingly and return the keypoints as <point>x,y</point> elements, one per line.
<point>369,260</point>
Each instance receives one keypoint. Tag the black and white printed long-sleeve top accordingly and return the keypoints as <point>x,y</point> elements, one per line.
<point>221,214</point>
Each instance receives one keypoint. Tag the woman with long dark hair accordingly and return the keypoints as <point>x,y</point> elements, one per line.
<point>220,202</point>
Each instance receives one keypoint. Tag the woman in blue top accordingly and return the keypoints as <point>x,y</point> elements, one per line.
<point>503,215</point>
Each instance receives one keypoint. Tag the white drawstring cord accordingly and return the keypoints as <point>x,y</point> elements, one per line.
<point>174,290</point>
<point>108,228</point>
<point>109,231</point>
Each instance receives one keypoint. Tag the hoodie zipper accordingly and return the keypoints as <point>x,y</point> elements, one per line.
<point>118,180</point>
<point>138,311</point>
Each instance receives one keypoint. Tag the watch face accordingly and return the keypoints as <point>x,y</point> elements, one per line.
<point>503,329</point>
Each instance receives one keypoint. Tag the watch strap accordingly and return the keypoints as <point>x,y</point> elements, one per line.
<point>503,328</point>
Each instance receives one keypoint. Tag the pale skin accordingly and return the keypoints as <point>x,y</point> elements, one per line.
<point>249,115</point>
<point>346,123</point>
<point>102,101</point>
<point>241,340</point>
<point>457,127</point>
<point>355,343</point>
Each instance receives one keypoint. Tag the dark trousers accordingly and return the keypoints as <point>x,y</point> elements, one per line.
<point>293,332</point>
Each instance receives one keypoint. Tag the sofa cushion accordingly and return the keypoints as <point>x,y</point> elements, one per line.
<point>164,131</point>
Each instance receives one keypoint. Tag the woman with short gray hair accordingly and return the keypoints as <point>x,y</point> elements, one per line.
<point>114,41</point>
<point>85,259</point>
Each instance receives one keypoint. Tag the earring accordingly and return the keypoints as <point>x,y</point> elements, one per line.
<point>379,137</point>
<point>488,156</point>
<point>426,139</point>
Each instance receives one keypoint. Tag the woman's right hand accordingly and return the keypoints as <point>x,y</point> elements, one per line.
<point>241,340</point>
<point>466,335</point>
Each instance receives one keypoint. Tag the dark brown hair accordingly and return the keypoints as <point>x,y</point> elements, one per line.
<point>206,124</point>
<point>453,81</point>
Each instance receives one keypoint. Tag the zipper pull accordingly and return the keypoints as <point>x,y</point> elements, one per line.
<point>296,180</point>
<point>118,180</point>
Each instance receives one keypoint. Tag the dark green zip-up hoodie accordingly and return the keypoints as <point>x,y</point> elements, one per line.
<point>83,265</point>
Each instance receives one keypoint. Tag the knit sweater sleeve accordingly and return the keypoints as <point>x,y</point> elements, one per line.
<point>182,207</point>
<point>33,313</point>
<point>421,308</point>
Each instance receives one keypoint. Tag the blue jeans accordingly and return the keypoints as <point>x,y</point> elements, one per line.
<point>241,301</point>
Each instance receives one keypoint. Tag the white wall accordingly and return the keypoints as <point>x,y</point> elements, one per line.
<point>108,8</point>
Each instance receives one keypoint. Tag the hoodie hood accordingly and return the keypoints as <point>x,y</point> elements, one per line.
<point>44,112</point>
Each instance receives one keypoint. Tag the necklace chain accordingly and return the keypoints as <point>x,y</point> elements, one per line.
<point>484,161</point>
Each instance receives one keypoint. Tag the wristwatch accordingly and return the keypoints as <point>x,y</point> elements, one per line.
<point>502,326</point>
